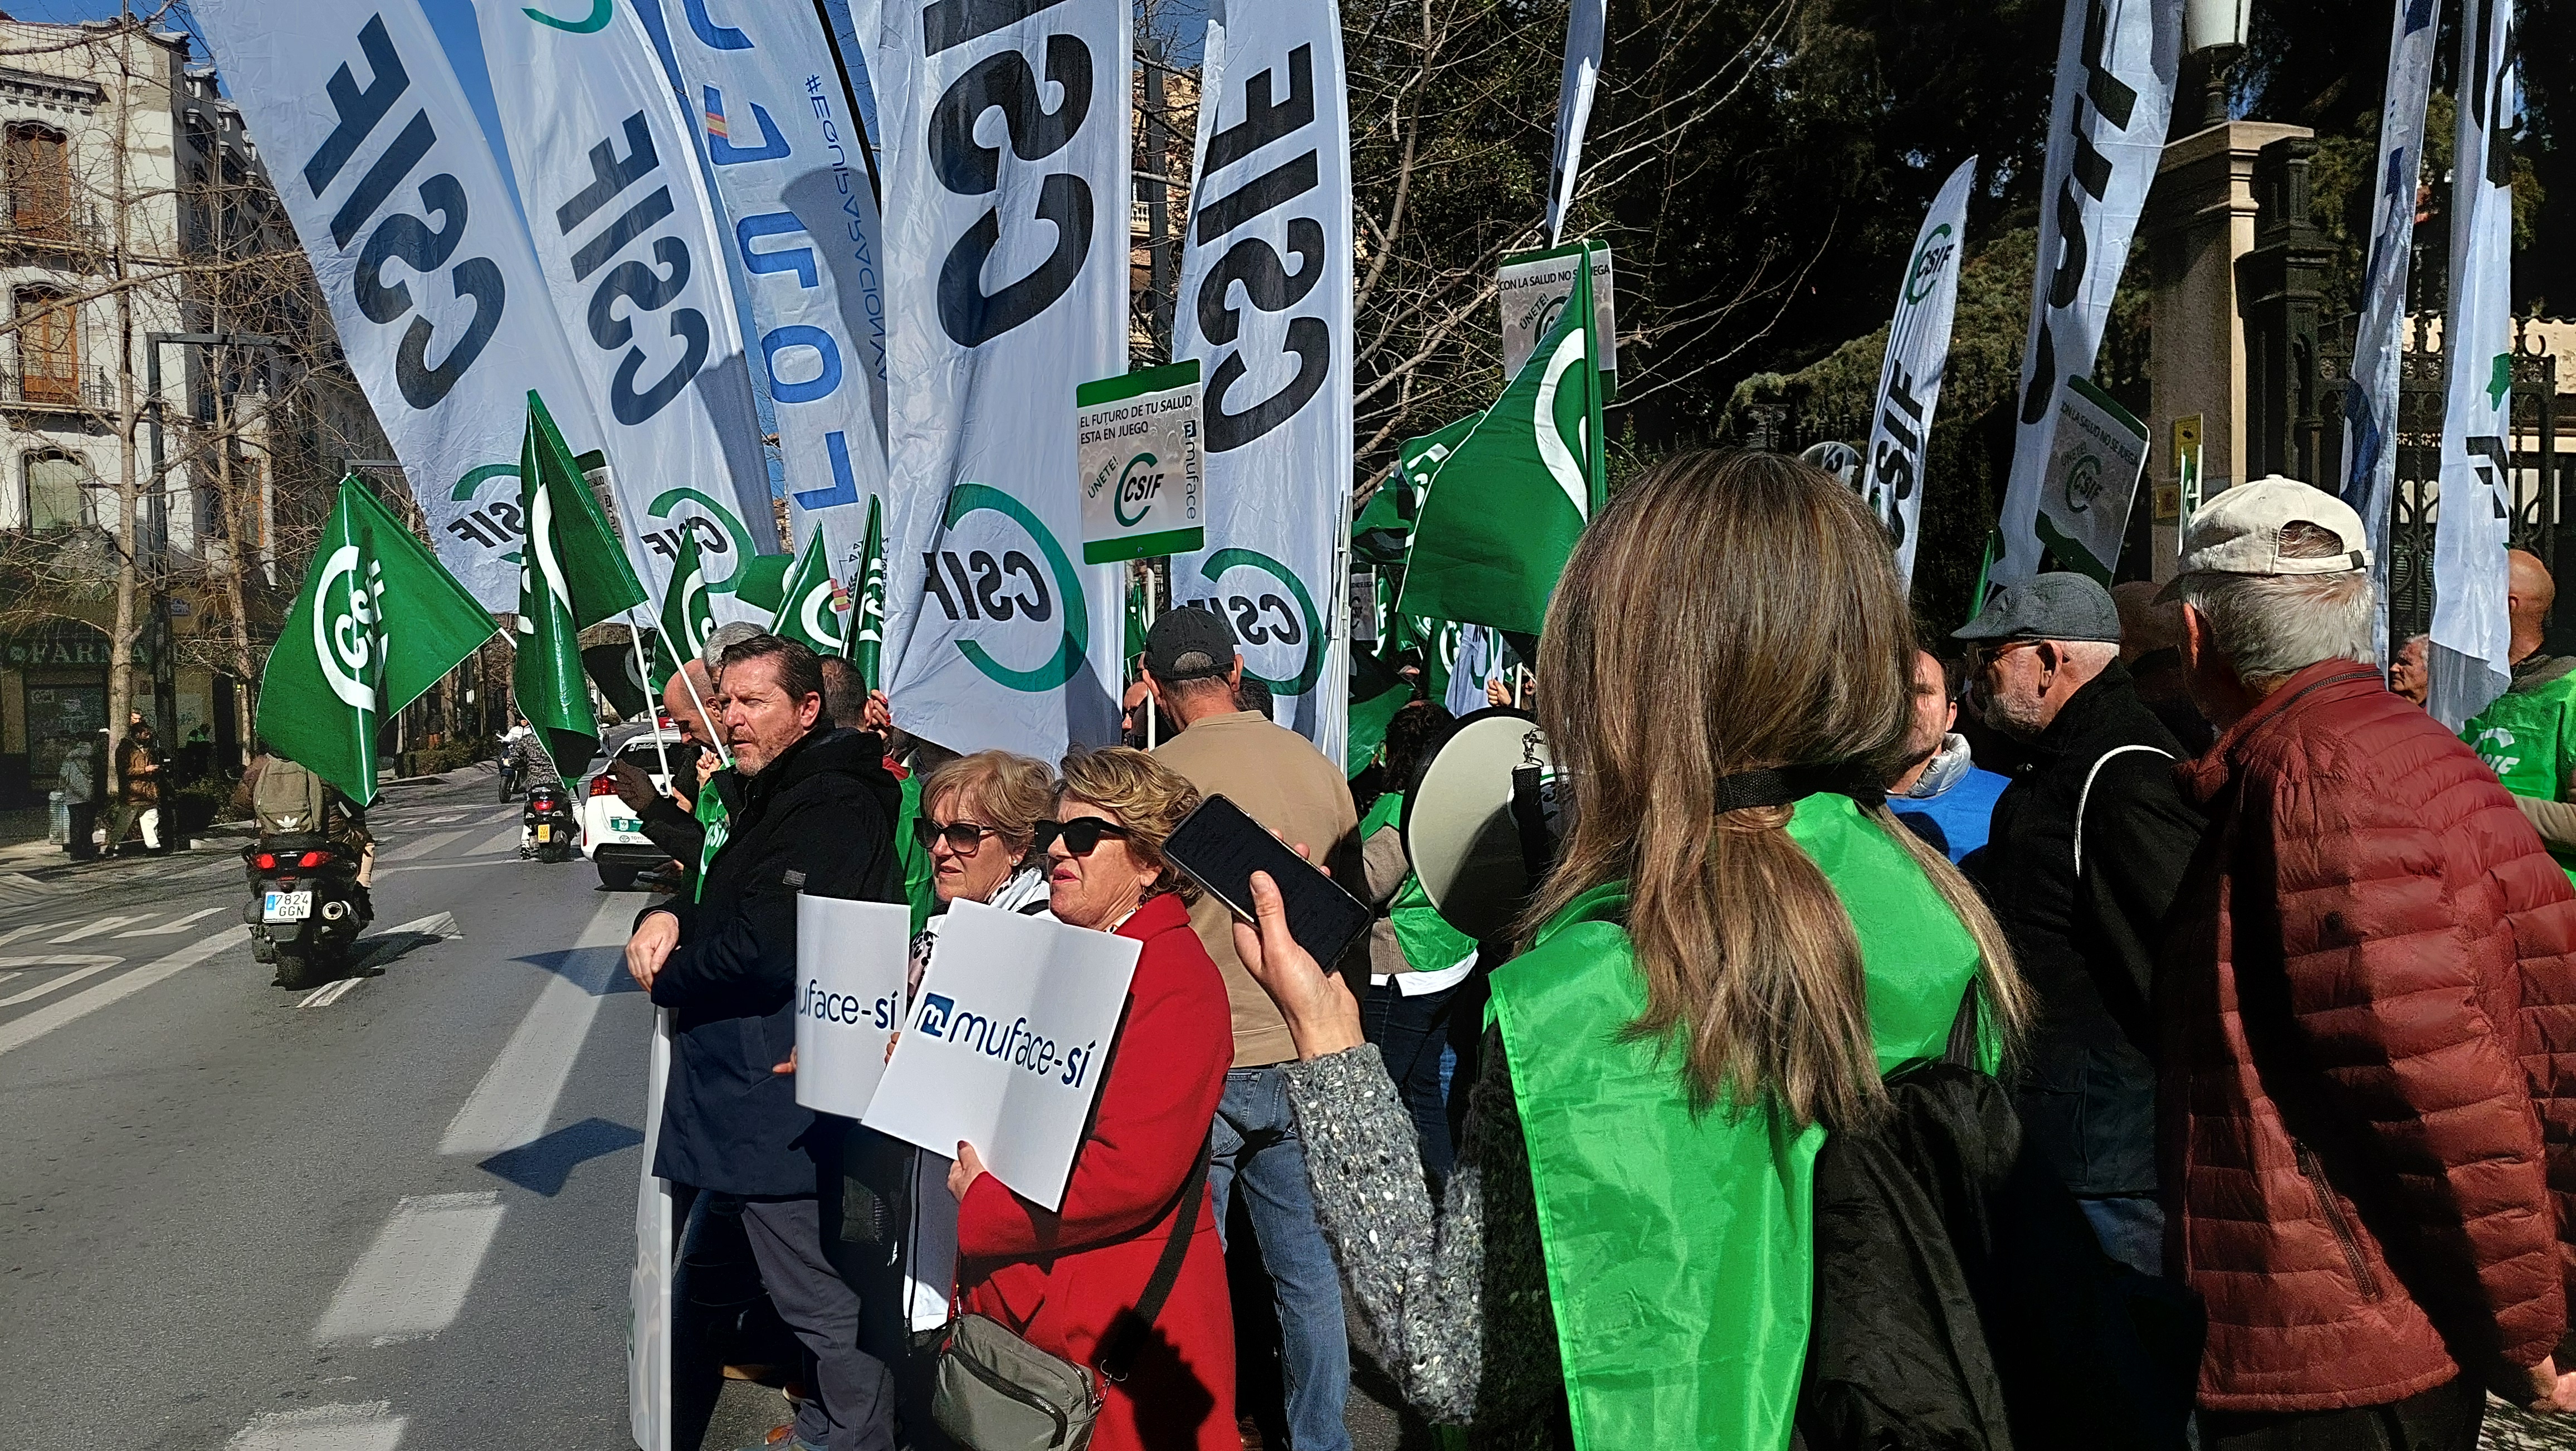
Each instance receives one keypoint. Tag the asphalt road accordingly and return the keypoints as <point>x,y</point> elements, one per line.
<point>395,1212</point>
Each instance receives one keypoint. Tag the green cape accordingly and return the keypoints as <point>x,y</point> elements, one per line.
<point>1680,1246</point>
<point>1430,944</point>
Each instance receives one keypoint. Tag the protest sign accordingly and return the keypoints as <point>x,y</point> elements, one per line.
<point>850,964</point>
<point>1005,1046</point>
<point>648,1322</point>
<point>2094,461</point>
<point>1136,438</point>
<point>1533,288</point>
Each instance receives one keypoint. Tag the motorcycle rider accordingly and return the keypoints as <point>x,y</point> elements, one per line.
<point>287,799</point>
<point>534,766</point>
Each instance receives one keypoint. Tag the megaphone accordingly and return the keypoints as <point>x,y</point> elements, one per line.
<point>1479,820</point>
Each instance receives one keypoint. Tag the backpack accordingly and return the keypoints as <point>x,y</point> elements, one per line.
<point>288,799</point>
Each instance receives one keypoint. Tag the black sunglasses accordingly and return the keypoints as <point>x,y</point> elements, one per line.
<point>1081,835</point>
<point>964,837</point>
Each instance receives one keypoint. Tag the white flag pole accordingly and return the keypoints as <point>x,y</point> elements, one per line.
<point>652,707</point>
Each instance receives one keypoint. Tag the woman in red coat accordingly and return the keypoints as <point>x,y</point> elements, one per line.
<point>1063,1278</point>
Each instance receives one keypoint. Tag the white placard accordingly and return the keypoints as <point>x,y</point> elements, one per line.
<point>648,1322</point>
<point>850,964</point>
<point>1136,438</point>
<point>1007,1044</point>
<point>1533,286</point>
<point>2095,458</point>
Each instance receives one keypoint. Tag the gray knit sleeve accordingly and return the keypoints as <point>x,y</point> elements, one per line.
<point>1456,1299</point>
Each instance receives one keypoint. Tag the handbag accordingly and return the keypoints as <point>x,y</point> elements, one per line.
<point>994,1391</point>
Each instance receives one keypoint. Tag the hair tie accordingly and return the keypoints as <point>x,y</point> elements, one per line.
<point>1784,785</point>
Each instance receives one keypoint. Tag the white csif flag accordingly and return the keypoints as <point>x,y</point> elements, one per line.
<point>2115,75</point>
<point>633,261</point>
<point>2471,656</point>
<point>1266,309</point>
<point>1007,184</point>
<point>417,246</point>
<point>1586,21</point>
<point>2369,484</point>
<point>786,159</point>
<point>1909,376</point>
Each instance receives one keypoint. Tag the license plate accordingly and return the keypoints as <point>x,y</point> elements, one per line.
<point>545,833</point>
<point>625,824</point>
<point>286,906</point>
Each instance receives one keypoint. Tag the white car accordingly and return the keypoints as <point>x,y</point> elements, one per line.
<point>613,836</point>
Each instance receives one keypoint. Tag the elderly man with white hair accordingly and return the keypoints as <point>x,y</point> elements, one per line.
<point>2365,973</point>
<point>2085,848</point>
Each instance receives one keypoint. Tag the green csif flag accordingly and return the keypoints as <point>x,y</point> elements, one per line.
<point>809,612</point>
<point>377,624</point>
<point>572,575</point>
<point>867,612</point>
<point>1384,529</point>
<point>1507,505</point>
<point>688,613</point>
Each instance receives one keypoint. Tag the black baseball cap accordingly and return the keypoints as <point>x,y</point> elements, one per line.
<point>1189,644</point>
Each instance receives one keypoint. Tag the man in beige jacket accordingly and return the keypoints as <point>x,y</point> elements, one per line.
<point>1288,786</point>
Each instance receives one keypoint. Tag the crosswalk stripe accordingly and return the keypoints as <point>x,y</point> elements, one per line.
<point>88,967</point>
<point>17,932</point>
<point>423,847</point>
<point>370,1427</point>
<point>413,1280</point>
<point>19,1032</point>
<point>518,1092</point>
<point>506,839</point>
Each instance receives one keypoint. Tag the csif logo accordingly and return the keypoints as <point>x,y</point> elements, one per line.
<point>979,585</point>
<point>817,1001</point>
<point>1015,1041</point>
<point>347,613</point>
<point>719,532</point>
<point>1930,261</point>
<point>1273,615</point>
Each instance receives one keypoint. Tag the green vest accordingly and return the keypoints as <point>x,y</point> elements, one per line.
<point>1680,1246</point>
<point>2527,737</point>
<point>1430,944</point>
<point>918,870</point>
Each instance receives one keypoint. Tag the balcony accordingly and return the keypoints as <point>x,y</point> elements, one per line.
<point>47,221</point>
<point>49,391</point>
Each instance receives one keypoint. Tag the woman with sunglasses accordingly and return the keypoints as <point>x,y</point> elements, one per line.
<point>1063,1278</point>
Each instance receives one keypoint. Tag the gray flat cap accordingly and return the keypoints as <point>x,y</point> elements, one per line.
<point>2047,607</point>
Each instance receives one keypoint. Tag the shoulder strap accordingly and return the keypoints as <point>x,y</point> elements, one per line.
<point>1962,1049</point>
<point>2086,795</point>
<point>1118,1350</point>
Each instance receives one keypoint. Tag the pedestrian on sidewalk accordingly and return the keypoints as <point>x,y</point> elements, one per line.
<point>1738,940</point>
<point>814,814</point>
<point>2364,1124</point>
<point>1194,670</point>
<point>79,777</point>
<point>2088,843</point>
<point>138,772</point>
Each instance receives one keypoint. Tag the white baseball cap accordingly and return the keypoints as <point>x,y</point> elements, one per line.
<point>2239,531</point>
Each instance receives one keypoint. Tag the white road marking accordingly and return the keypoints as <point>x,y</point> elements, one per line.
<point>21,884</point>
<point>485,862</point>
<point>518,1092</point>
<point>89,967</point>
<point>329,993</point>
<point>444,818</point>
<point>511,812</point>
<point>175,924</point>
<point>506,839</point>
<point>370,1427</point>
<point>414,1279</point>
<point>19,1032</point>
<point>99,926</point>
<point>15,933</point>
<point>423,847</point>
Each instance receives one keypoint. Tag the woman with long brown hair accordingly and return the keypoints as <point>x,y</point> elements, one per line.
<point>1737,942</point>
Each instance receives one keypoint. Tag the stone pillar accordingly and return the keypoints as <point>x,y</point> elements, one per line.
<point>2200,219</point>
<point>2282,280</point>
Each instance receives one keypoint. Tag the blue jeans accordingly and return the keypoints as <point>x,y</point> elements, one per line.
<point>1255,1142</point>
<point>1409,1033</point>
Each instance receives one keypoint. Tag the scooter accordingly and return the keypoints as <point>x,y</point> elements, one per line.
<point>306,907</point>
<point>509,778</point>
<point>551,835</point>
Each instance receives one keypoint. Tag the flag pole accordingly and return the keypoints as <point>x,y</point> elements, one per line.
<point>652,707</point>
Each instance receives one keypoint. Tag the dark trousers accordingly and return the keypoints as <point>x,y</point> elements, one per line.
<point>2445,1418</point>
<point>853,1408</point>
<point>84,820</point>
<point>1409,1033</point>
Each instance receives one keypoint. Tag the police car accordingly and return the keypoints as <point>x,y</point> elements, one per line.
<point>612,836</point>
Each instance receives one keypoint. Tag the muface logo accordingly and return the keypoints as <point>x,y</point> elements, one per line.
<point>1275,618</point>
<point>1014,1041</point>
<point>978,585</point>
<point>935,1010</point>
<point>347,611</point>
<point>847,1009</point>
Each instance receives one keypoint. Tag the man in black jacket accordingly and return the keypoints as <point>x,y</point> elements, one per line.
<point>2088,846</point>
<point>667,822</point>
<point>811,809</point>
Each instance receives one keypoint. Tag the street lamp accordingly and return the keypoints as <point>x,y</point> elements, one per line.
<point>2215,31</point>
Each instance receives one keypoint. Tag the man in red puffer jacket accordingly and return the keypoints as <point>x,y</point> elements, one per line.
<point>2365,1138</point>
